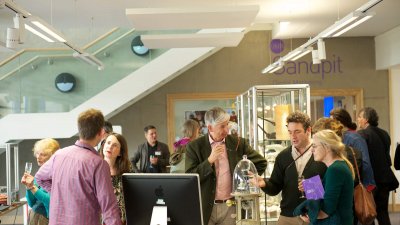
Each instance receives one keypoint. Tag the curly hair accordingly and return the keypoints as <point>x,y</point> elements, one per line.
<point>47,145</point>
<point>299,117</point>
<point>324,123</point>
<point>344,117</point>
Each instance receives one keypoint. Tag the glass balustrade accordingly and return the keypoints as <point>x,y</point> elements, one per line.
<point>27,80</point>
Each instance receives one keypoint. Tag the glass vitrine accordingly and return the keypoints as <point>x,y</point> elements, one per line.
<point>262,113</point>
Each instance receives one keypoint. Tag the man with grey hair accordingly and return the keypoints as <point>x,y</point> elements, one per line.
<point>214,157</point>
<point>378,141</point>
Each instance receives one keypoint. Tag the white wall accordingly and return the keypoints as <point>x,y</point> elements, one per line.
<point>387,49</point>
<point>387,56</point>
<point>394,85</point>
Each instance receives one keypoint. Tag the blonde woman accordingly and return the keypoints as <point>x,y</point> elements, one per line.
<point>38,199</point>
<point>190,130</point>
<point>328,148</point>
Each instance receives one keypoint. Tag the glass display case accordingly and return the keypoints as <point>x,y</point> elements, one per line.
<point>11,190</point>
<point>262,113</point>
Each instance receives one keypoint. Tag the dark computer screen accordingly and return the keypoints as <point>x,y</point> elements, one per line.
<point>180,192</point>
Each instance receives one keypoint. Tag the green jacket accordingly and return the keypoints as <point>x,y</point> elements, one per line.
<point>197,153</point>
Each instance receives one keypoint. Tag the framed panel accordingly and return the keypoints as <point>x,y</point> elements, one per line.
<point>187,105</point>
<point>350,99</point>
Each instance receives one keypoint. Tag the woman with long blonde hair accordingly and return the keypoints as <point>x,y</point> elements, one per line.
<point>338,181</point>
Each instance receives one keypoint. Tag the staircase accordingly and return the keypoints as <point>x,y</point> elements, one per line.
<point>110,101</point>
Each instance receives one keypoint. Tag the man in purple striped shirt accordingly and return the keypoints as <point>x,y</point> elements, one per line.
<point>79,180</point>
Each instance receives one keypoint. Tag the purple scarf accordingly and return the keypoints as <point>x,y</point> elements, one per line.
<point>181,142</point>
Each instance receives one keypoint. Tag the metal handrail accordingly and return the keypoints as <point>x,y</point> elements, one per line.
<point>57,49</point>
<point>65,49</point>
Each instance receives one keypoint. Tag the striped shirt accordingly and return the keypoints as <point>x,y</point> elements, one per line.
<point>223,173</point>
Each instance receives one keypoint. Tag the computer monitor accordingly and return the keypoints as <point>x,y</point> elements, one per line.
<point>180,192</point>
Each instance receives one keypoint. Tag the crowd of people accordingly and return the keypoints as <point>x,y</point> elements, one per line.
<point>82,183</point>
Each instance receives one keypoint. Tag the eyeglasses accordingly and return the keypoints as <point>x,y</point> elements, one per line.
<point>315,145</point>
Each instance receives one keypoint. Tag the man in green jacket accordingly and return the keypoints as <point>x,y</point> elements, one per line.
<point>214,157</point>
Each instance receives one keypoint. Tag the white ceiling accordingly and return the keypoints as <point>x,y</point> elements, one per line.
<point>81,20</point>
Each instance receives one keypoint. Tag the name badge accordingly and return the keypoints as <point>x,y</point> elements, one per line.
<point>158,153</point>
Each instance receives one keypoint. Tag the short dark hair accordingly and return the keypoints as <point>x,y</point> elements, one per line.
<point>90,123</point>
<point>299,117</point>
<point>149,127</point>
<point>108,127</point>
<point>343,117</point>
<point>371,116</point>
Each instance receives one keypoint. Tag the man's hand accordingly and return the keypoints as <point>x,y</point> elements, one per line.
<point>153,160</point>
<point>216,152</point>
<point>261,182</point>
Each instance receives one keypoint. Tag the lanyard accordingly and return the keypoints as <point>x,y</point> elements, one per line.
<point>80,146</point>
<point>298,157</point>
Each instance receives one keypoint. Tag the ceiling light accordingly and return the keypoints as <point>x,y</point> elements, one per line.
<point>12,37</point>
<point>38,33</point>
<point>19,24</point>
<point>315,58</point>
<point>274,67</point>
<point>303,53</point>
<point>321,49</point>
<point>339,25</point>
<point>291,55</point>
<point>364,18</point>
<point>47,28</point>
<point>348,22</point>
<point>277,68</point>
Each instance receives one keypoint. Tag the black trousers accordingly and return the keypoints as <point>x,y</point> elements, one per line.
<point>381,197</point>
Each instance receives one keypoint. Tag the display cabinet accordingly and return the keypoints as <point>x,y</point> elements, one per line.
<point>12,180</point>
<point>262,113</point>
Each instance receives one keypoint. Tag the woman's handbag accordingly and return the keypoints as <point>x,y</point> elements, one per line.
<point>364,203</point>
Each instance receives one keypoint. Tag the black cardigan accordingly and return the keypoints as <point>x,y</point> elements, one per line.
<point>284,178</point>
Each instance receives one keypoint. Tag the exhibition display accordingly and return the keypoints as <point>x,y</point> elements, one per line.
<point>262,113</point>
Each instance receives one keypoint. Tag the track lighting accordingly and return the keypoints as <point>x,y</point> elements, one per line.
<point>25,20</point>
<point>12,37</point>
<point>348,22</point>
<point>321,49</point>
<point>315,57</point>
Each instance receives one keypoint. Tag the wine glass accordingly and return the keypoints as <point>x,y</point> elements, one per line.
<point>301,179</point>
<point>28,167</point>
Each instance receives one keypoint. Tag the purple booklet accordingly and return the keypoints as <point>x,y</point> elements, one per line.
<point>313,188</point>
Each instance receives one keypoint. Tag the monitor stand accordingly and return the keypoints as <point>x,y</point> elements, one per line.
<point>159,215</point>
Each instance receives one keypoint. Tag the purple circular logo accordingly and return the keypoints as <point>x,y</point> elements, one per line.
<point>276,46</point>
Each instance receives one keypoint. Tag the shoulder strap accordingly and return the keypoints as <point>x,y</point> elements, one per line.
<point>355,163</point>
